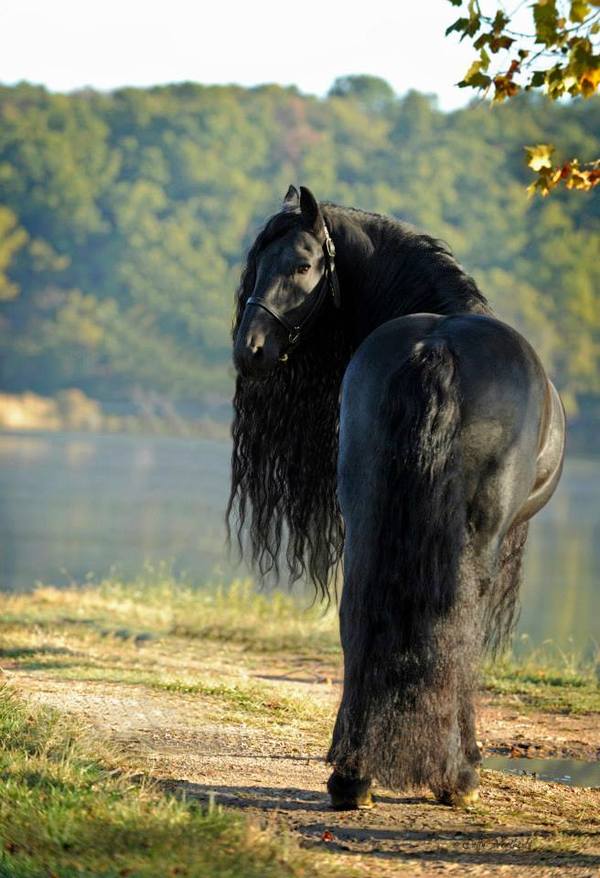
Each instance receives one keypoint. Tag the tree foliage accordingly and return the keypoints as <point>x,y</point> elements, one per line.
<point>371,92</point>
<point>124,217</point>
<point>557,54</point>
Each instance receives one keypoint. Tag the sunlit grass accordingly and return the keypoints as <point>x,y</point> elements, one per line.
<point>233,703</point>
<point>70,808</point>
<point>155,606</point>
<point>548,678</point>
<point>126,632</point>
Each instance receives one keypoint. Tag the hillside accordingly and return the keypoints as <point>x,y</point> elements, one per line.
<point>124,217</point>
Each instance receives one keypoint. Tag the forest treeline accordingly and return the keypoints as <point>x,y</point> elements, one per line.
<point>124,218</point>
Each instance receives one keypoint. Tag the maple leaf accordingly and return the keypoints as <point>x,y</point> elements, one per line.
<point>539,157</point>
<point>589,81</point>
<point>545,18</point>
<point>579,10</point>
<point>505,87</point>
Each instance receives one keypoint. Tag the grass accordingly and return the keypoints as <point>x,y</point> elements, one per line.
<point>552,690</point>
<point>258,703</point>
<point>170,638</point>
<point>113,630</point>
<point>547,679</point>
<point>70,808</point>
<point>155,606</point>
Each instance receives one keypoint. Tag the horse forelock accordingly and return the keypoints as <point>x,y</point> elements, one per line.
<point>276,227</point>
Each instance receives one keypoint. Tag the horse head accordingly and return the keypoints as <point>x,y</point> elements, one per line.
<point>288,277</point>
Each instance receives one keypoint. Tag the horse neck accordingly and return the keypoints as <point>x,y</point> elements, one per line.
<point>387,269</point>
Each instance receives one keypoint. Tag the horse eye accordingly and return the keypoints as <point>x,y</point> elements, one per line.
<point>303,269</point>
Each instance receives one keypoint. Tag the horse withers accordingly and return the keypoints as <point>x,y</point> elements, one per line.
<point>384,414</point>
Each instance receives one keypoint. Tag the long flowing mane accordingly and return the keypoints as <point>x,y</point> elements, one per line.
<point>283,501</point>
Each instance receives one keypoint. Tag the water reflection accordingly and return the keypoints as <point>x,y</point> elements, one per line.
<point>73,505</point>
<point>572,772</point>
<point>561,581</point>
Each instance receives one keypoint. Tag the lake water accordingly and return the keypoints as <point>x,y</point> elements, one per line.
<point>73,506</point>
<point>572,772</point>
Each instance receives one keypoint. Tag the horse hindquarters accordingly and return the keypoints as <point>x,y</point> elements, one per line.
<point>410,612</point>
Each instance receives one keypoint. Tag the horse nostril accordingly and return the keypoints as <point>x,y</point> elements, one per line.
<point>255,345</point>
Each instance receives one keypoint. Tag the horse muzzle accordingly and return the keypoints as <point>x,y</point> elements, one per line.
<point>255,354</point>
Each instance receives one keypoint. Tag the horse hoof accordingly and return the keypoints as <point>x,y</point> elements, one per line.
<point>363,804</point>
<point>349,794</point>
<point>458,799</point>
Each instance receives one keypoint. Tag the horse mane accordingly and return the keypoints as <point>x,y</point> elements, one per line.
<point>409,272</point>
<point>285,426</point>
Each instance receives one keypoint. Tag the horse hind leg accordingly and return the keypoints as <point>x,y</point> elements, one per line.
<point>446,702</point>
<point>464,788</point>
<point>494,603</point>
<point>458,782</point>
<point>463,634</point>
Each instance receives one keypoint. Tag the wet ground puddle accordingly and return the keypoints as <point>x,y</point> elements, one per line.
<point>568,771</point>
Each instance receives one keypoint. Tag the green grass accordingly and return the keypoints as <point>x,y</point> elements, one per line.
<point>70,810</point>
<point>254,700</point>
<point>112,630</point>
<point>537,685</point>
<point>156,606</point>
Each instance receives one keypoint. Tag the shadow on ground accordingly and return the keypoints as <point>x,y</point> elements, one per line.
<point>309,814</point>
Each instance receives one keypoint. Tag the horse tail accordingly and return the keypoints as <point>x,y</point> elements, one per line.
<point>406,622</point>
<point>502,610</point>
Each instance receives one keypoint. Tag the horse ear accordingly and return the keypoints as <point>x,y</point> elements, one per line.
<point>310,210</point>
<point>291,198</point>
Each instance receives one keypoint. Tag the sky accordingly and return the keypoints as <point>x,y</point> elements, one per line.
<point>71,44</point>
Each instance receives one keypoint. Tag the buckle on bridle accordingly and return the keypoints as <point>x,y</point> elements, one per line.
<point>329,246</point>
<point>332,281</point>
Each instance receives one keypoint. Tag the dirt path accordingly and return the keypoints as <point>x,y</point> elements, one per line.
<point>523,827</point>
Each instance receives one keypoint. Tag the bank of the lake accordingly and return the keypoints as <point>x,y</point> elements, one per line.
<point>228,699</point>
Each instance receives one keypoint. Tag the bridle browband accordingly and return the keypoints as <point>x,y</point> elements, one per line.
<point>328,283</point>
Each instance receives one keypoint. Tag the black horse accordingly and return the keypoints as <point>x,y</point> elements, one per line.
<point>373,379</point>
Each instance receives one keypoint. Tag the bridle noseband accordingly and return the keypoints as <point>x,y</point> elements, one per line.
<point>328,283</point>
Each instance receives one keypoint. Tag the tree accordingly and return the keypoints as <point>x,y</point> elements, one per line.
<point>371,92</point>
<point>556,54</point>
<point>12,238</point>
<point>123,218</point>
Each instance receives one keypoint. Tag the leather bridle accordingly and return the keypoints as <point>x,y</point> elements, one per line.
<point>328,284</point>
